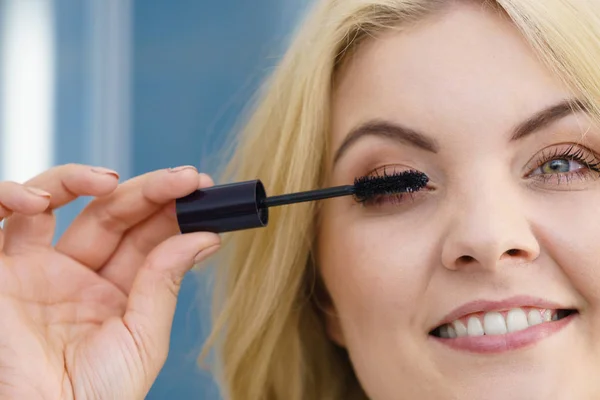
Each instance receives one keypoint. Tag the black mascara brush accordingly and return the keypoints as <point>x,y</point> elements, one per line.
<point>245,205</point>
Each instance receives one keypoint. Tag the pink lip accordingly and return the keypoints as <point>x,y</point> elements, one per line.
<point>510,341</point>
<point>507,304</point>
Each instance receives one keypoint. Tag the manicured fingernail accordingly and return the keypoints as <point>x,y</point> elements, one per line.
<point>182,168</point>
<point>206,252</point>
<point>105,171</point>
<point>38,192</point>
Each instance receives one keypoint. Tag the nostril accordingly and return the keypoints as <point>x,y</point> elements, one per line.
<point>513,252</point>
<point>465,260</point>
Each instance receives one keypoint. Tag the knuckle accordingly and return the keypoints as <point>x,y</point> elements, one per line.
<point>74,171</point>
<point>110,221</point>
<point>66,171</point>
<point>73,166</point>
<point>171,279</point>
<point>172,282</point>
<point>144,242</point>
<point>65,168</point>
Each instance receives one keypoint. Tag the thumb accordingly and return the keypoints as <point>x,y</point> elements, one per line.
<point>153,297</point>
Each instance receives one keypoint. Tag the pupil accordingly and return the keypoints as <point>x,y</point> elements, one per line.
<point>558,166</point>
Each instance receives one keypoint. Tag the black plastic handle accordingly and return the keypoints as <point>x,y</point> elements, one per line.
<point>223,208</point>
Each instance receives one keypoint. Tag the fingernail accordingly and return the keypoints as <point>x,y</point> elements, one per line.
<point>105,171</point>
<point>182,168</point>
<point>206,252</point>
<point>38,192</point>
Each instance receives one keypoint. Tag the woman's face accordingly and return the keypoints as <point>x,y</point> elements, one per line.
<point>503,239</point>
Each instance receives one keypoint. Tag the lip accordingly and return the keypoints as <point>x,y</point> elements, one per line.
<point>507,342</point>
<point>502,305</point>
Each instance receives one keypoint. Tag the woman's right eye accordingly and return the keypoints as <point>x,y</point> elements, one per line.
<point>390,199</point>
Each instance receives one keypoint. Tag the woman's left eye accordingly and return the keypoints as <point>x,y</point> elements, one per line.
<point>559,166</point>
<point>566,162</point>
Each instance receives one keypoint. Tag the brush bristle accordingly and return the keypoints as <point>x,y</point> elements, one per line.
<point>368,187</point>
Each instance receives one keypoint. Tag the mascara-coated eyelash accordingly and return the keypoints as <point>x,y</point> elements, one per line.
<point>589,161</point>
<point>390,198</point>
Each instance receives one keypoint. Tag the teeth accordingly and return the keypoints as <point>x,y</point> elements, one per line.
<point>460,329</point>
<point>451,332</point>
<point>516,320</point>
<point>444,332</point>
<point>474,327</point>
<point>534,317</point>
<point>494,324</point>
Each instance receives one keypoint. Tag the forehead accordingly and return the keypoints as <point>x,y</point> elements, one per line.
<point>460,70</point>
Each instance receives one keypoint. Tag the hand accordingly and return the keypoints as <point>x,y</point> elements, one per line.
<point>91,317</point>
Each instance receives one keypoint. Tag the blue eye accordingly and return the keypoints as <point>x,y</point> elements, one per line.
<point>565,163</point>
<point>559,166</point>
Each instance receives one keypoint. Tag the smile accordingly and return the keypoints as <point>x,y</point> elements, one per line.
<point>486,327</point>
<point>499,323</point>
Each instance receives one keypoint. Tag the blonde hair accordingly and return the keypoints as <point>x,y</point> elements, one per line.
<point>268,336</point>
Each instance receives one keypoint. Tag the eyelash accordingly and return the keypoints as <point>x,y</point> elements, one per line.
<point>389,199</point>
<point>588,159</point>
<point>581,155</point>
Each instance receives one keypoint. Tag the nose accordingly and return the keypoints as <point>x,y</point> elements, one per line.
<point>489,228</point>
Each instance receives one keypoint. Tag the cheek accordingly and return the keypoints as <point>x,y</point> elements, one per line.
<point>375,270</point>
<point>377,273</point>
<point>568,227</point>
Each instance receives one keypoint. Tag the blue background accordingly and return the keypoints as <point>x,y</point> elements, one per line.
<point>195,63</point>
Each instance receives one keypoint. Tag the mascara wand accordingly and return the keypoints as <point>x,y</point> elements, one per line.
<point>245,205</point>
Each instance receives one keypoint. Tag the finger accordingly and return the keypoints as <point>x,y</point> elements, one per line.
<point>137,243</point>
<point>64,184</point>
<point>96,233</point>
<point>4,212</point>
<point>67,182</point>
<point>20,199</point>
<point>123,266</point>
<point>153,297</point>
<point>16,198</point>
<point>205,181</point>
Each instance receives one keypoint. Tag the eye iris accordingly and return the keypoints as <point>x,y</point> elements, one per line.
<point>556,166</point>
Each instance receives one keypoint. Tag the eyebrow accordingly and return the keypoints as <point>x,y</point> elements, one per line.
<point>414,138</point>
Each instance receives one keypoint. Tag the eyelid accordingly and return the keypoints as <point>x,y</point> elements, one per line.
<point>385,169</point>
<point>560,150</point>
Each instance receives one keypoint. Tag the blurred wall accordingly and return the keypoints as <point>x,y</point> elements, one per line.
<point>195,65</point>
<point>147,84</point>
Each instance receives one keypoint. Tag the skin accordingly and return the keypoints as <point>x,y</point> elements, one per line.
<point>90,318</point>
<point>487,227</point>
